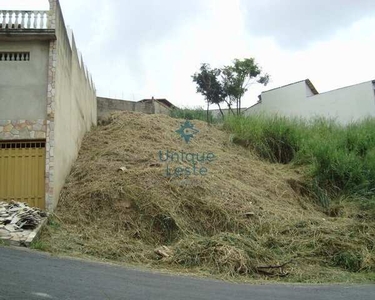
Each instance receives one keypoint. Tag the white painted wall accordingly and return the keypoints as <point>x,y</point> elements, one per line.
<point>296,100</point>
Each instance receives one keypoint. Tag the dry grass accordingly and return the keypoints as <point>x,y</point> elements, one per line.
<point>243,215</point>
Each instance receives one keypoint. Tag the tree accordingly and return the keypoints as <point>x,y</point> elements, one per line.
<point>228,84</point>
<point>209,85</point>
<point>237,78</point>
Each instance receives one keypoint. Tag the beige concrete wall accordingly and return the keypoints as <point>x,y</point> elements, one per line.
<point>72,109</point>
<point>108,105</point>
<point>345,105</point>
<point>144,107</point>
<point>160,108</point>
<point>23,84</point>
<point>217,114</point>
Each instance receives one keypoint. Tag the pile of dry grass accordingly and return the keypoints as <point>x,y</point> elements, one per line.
<point>241,218</point>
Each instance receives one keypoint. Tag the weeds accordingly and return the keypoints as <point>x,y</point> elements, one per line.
<point>341,159</point>
<point>348,260</point>
<point>198,113</point>
<point>274,139</point>
<point>2,242</point>
<point>39,245</point>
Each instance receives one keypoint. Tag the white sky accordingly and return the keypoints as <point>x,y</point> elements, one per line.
<point>141,48</point>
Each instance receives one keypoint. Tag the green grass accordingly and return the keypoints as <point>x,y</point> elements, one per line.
<point>341,159</point>
<point>39,245</point>
<point>197,113</point>
<point>53,222</point>
<point>275,139</point>
<point>2,242</point>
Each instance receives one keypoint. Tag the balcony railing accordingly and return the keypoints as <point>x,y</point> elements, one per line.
<point>19,19</point>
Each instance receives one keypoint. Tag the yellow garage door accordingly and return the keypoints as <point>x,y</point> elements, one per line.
<point>22,168</point>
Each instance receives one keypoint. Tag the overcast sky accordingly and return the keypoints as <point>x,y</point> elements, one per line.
<point>136,49</point>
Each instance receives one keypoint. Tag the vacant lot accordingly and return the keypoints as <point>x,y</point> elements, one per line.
<point>243,218</point>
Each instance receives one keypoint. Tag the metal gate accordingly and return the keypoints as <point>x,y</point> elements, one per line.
<point>22,169</point>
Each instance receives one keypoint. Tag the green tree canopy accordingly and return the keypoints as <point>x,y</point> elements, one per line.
<point>209,85</point>
<point>230,83</point>
<point>238,77</point>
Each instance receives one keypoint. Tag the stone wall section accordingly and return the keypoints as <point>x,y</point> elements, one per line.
<point>50,122</point>
<point>23,129</point>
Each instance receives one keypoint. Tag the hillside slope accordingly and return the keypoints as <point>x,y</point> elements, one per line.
<point>237,215</point>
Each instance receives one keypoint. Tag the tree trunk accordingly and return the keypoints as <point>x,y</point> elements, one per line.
<point>222,114</point>
<point>230,107</point>
<point>208,107</point>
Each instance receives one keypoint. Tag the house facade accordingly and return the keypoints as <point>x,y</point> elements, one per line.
<point>47,104</point>
<point>301,99</point>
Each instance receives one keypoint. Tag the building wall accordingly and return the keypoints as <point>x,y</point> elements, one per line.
<point>217,114</point>
<point>23,91</point>
<point>71,107</point>
<point>23,84</point>
<point>108,105</point>
<point>51,96</point>
<point>161,109</point>
<point>282,100</point>
<point>345,105</point>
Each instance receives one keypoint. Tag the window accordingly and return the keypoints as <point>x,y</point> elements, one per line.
<point>14,56</point>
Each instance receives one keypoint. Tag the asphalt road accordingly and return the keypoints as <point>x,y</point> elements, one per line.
<point>31,275</point>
